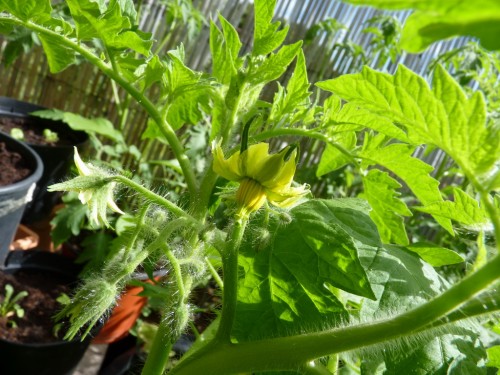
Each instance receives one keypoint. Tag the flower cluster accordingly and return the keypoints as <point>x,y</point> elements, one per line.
<point>262,176</point>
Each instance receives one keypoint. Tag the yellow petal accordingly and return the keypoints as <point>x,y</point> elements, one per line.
<point>284,175</point>
<point>83,170</point>
<point>111,203</point>
<point>286,197</point>
<point>253,160</point>
<point>230,168</point>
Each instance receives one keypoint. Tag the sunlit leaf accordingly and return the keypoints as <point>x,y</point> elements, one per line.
<point>463,209</point>
<point>289,285</point>
<point>387,208</point>
<point>414,172</point>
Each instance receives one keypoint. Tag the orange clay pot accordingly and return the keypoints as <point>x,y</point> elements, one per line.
<point>24,239</point>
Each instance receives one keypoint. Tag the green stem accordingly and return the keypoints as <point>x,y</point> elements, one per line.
<point>314,368</point>
<point>166,335</point>
<point>302,133</point>
<point>159,354</point>
<point>230,270</point>
<point>214,274</point>
<point>288,353</point>
<point>155,198</point>
<point>149,107</point>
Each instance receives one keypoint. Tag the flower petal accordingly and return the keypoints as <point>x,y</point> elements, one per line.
<point>283,177</point>
<point>253,160</point>
<point>286,197</point>
<point>83,170</point>
<point>230,168</point>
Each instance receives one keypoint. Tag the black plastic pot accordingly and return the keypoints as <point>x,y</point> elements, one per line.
<point>14,197</point>
<point>57,358</point>
<point>56,159</point>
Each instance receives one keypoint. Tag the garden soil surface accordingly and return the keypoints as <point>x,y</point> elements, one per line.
<point>12,166</point>
<point>37,324</point>
<point>33,133</point>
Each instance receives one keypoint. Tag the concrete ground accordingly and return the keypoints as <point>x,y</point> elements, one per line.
<point>91,361</point>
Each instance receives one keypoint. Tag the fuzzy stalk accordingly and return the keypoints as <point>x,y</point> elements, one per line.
<point>230,277</point>
<point>169,329</point>
<point>289,353</point>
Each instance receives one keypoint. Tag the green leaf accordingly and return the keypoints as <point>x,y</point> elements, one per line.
<point>397,4</point>
<point>289,285</point>
<point>98,125</point>
<point>332,158</point>
<point>291,106</point>
<point>443,117</point>
<point>414,172</point>
<point>275,65</point>
<point>463,133</point>
<point>109,25</point>
<point>464,210</point>
<point>68,221</point>
<point>188,106</point>
<point>150,72</point>
<point>387,208</point>
<point>494,356</point>
<point>27,9</point>
<point>225,46</point>
<point>350,115</point>
<point>436,256</point>
<point>479,19</point>
<point>59,57</point>
<point>266,35</point>
<point>402,281</point>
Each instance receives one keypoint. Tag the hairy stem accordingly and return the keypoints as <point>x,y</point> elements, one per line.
<point>155,198</point>
<point>230,270</point>
<point>288,353</point>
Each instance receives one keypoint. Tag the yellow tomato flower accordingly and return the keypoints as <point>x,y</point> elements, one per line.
<point>262,176</point>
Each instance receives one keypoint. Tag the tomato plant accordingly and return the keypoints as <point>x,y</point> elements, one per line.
<point>308,285</point>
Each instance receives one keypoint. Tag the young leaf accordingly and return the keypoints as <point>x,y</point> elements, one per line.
<point>296,98</point>
<point>464,210</point>
<point>266,35</point>
<point>99,125</point>
<point>332,158</point>
<point>494,357</point>
<point>68,221</point>
<point>387,208</point>
<point>414,172</point>
<point>109,25</point>
<point>275,65</point>
<point>27,9</point>
<point>225,46</point>
<point>58,56</point>
<point>436,256</point>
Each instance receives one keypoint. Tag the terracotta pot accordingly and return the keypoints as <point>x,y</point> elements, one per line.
<point>24,239</point>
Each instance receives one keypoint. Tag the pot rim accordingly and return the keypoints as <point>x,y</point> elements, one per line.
<point>29,182</point>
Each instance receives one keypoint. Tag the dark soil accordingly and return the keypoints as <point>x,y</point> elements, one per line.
<point>33,131</point>
<point>37,325</point>
<point>12,166</point>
